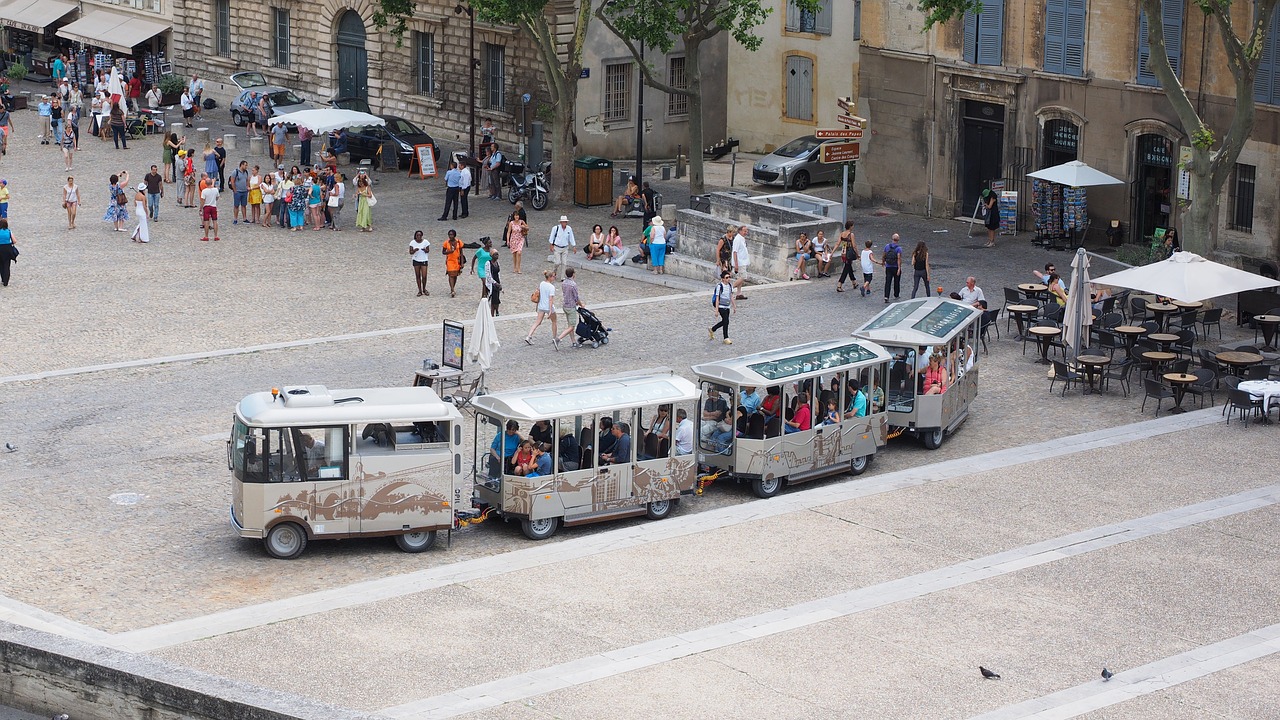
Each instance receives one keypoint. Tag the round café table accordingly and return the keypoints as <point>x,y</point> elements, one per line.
<point>1020,313</point>
<point>1158,359</point>
<point>1162,311</point>
<point>1237,360</point>
<point>1187,305</point>
<point>1268,325</point>
<point>1164,340</point>
<point>1045,336</point>
<point>1179,381</point>
<point>1033,290</point>
<point>1131,333</point>
<point>1092,366</point>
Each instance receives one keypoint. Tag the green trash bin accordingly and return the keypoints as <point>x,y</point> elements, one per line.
<point>592,181</point>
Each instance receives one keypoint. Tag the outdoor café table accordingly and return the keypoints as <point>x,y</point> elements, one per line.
<point>1238,360</point>
<point>1131,333</point>
<point>1187,305</point>
<point>1179,381</point>
<point>1164,340</point>
<point>1092,366</point>
<point>1162,311</point>
<point>1033,290</point>
<point>1268,324</point>
<point>1158,359</point>
<point>1268,391</point>
<point>1044,336</point>
<point>1020,313</point>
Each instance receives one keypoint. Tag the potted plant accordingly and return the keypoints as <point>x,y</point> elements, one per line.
<point>171,87</point>
<point>16,72</point>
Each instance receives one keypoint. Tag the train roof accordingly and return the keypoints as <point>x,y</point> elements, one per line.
<point>927,321</point>
<point>774,366</point>
<point>649,387</point>
<point>318,405</point>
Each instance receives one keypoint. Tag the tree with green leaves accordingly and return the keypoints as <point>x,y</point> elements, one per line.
<point>1213,155</point>
<point>657,24</point>
<point>560,54</point>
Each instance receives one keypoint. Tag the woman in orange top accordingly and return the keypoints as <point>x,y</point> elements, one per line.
<point>453,262</point>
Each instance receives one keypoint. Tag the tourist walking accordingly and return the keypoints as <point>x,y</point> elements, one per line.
<point>920,267</point>
<point>570,301</point>
<point>155,191</point>
<point>724,304</point>
<point>480,264</point>
<point>365,201</point>
<point>117,208</point>
<point>71,201</point>
<point>141,234</point>
<point>892,261</point>
<point>454,260</point>
<point>546,299</point>
<point>116,121</point>
<point>561,242</point>
<point>8,251</point>
<point>170,156</point>
<point>517,232</point>
<point>68,143</point>
<point>741,261</point>
<point>419,252</point>
<point>848,256</point>
<point>209,208</point>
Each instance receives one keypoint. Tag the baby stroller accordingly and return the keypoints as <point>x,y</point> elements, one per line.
<point>590,330</point>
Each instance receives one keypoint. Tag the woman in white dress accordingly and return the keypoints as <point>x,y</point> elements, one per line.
<point>141,234</point>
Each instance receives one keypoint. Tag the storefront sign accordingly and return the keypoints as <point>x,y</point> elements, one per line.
<point>1184,177</point>
<point>1062,135</point>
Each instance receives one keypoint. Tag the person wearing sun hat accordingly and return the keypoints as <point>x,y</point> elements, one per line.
<point>561,242</point>
<point>4,198</point>
<point>657,246</point>
<point>141,234</point>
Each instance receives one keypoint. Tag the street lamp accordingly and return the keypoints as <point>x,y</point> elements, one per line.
<point>472,63</point>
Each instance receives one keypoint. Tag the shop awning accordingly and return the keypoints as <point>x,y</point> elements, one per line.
<point>34,15</point>
<point>113,31</point>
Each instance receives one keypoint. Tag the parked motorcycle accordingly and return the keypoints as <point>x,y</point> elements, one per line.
<point>530,185</point>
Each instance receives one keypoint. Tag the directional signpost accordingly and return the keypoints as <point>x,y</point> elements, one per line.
<point>843,152</point>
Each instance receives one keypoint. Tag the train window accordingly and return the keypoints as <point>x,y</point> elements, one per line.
<point>716,428</point>
<point>324,452</point>
<point>773,410</point>
<point>502,439</point>
<point>568,449</point>
<point>901,388</point>
<point>656,425</point>
<point>799,403</point>
<point>686,427</point>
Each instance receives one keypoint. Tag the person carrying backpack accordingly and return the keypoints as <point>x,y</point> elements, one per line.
<point>892,268</point>
<point>724,303</point>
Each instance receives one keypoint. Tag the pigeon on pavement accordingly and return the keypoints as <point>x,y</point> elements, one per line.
<point>8,447</point>
<point>1106,674</point>
<point>988,674</point>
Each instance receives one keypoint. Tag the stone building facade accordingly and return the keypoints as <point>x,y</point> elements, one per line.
<point>1033,83</point>
<point>332,49</point>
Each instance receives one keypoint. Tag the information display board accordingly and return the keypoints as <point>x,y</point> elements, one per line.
<point>424,161</point>
<point>454,337</point>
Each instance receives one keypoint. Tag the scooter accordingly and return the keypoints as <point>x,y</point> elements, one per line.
<point>531,185</point>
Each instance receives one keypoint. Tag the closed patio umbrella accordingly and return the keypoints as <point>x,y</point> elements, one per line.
<point>1187,277</point>
<point>1079,311</point>
<point>484,337</point>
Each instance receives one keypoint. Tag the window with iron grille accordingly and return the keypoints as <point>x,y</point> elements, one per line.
<point>495,76</point>
<point>424,62</point>
<point>280,38</point>
<point>222,27</point>
<point>1241,198</point>
<point>617,92</point>
<point>677,104</point>
<point>809,21</point>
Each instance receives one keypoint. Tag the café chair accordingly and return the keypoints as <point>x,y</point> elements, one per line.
<point>1256,372</point>
<point>1065,375</point>
<point>1186,321</point>
<point>1203,385</point>
<point>990,318</point>
<point>1185,343</point>
<point>1211,317</point>
<point>1155,390</point>
<point>1239,400</point>
<point>1119,371</point>
<point>1179,366</point>
<point>1138,310</point>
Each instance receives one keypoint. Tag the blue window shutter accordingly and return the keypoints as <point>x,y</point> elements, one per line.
<point>970,37</point>
<point>1073,47</point>
<point>1266,84</point>
<point>1145,76</point>
<point>991,33</point>
<point>793,16</point>
<point>1172,20</point>
<point>1055,27</point>
<point>822,23</point>
<point>1274,40</point>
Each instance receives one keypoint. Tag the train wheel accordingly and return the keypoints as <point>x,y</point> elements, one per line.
<point>416,542</point>
<point>766,488</point>
<point>858,465</point>
<point>286,541</point>
<point>660,509</point>
<point>932,439</point>
<point>540,529</point>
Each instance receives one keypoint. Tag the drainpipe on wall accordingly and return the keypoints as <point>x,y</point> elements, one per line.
<point>933,133</point>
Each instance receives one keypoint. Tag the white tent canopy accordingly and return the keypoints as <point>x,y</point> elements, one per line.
<point>324,120</point>
<point>1075,174</point>
<point>1187,277</point>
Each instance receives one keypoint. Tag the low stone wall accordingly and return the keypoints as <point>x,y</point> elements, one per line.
<point>44,674</point>
<point>773,222</point>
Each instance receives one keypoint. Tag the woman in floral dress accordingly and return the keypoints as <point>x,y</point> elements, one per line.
<point>118,212</point>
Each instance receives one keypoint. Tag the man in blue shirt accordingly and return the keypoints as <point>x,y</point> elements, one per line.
<point>495,174</point>
<point>45,108</point>
<point>750,400</point>
<point>621,447</point>
<point>542,462</point>
<point>453,185</point>
<point>502,452</point>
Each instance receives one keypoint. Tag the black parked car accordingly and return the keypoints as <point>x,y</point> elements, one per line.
<point>363,142</point>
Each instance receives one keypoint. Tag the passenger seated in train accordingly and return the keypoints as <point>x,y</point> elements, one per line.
<point>502,451</point>
<point>802,417</point>
<point>606,440</point>
<point>772,403</point>
<point>721,438</point>
<point>524,463</point>
<point>542,434</point>
<point>541,462</point>
<point>935,376</point>
<point>620,452</point>
<point>714,410</point>
<point>657,439</point>
<point>749,400</point>
<point>857,404</point>
<point>832,416</point>
<point>684,433</point>
<point>587,443</point>
<point>569,452</point>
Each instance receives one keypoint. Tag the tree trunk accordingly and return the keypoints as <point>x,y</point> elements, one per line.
<point>1197,234</point>
<point>561,180</point>
<point>694,73</point>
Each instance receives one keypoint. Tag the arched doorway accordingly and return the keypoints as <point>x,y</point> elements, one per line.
<point>353,60</point>
<point>1152,184</point>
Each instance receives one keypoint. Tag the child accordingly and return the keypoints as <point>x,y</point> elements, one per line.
<point>833,415</point>
<point>4,198</point>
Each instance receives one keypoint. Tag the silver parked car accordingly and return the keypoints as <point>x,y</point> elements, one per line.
<point>795,165</point>
<point>281,101</point>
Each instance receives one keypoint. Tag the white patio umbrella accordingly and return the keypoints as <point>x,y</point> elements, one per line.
<point>325,120</point>
<point>1078,316</point>
<point>1075,174</point>
<point>484,337</point>
<point>1187,277</point>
